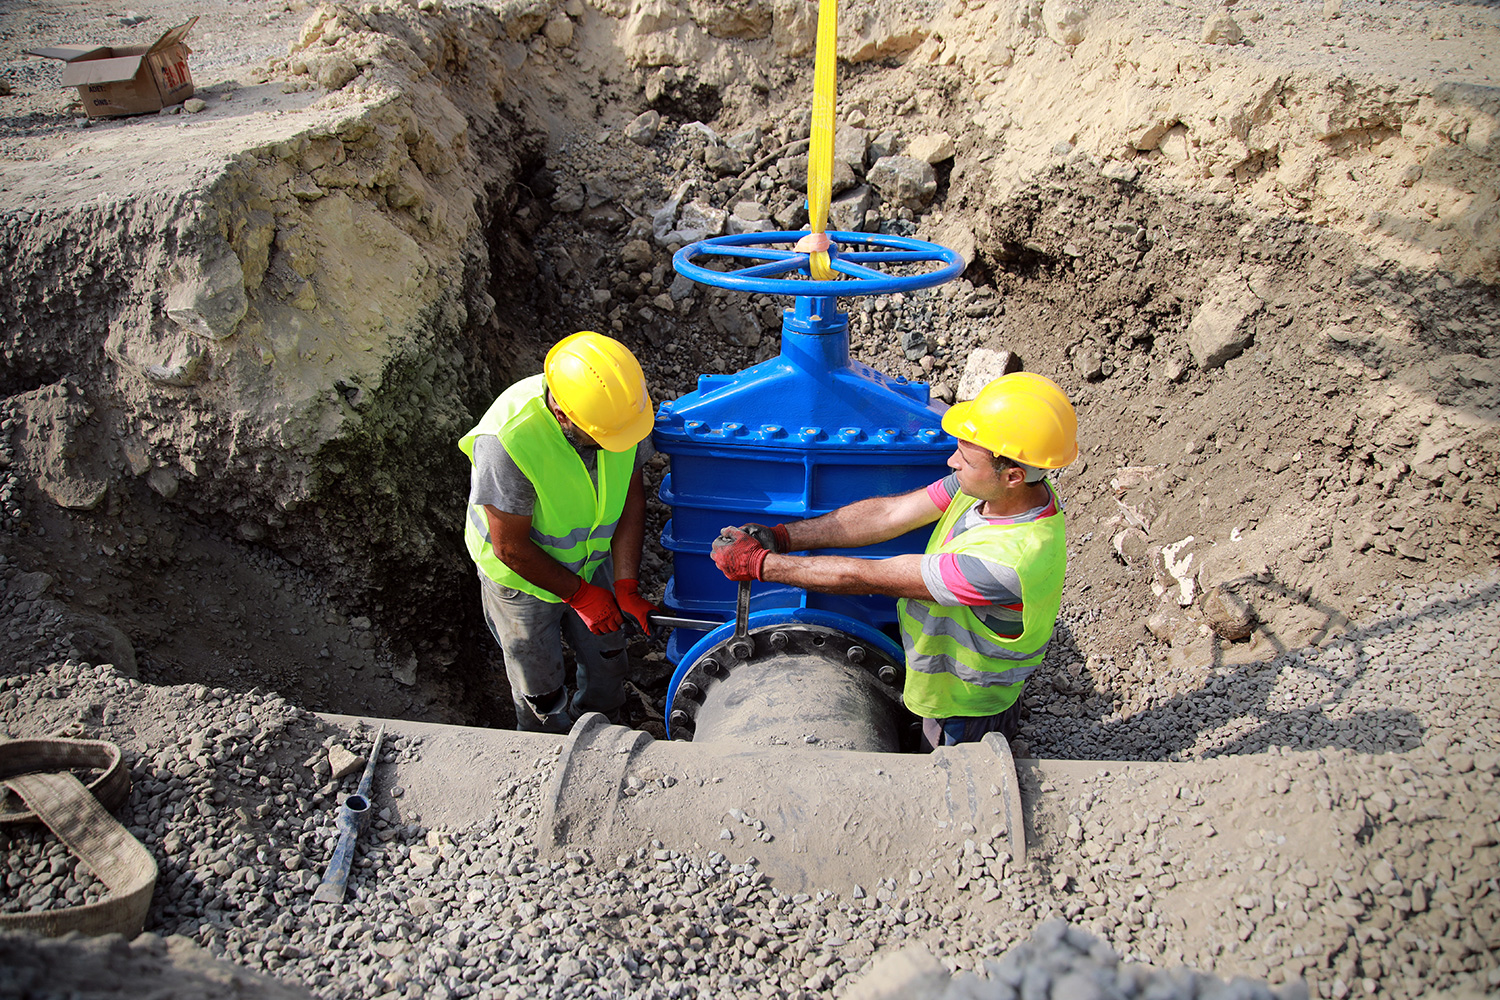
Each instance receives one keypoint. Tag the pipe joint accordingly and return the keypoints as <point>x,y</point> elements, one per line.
<point>792,684</point>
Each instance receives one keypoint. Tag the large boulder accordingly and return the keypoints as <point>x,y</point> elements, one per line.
<point>1222,327</point>
<point>905,181</point>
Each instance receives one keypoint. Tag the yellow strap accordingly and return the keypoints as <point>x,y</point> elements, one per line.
<point>820,151</point>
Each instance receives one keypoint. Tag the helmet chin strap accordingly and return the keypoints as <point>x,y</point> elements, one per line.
<point>1034,473</point>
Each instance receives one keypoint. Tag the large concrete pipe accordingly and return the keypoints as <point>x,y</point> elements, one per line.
<point>828,819</point>
<point>813,818</point>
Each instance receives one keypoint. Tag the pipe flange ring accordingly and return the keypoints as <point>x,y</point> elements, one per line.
<point>785,639</point>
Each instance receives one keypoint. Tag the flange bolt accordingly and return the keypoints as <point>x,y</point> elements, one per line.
<point>689,690</point>
<point>779,640</point>
<point>887,674</point>
<point>856,654</point>
<point>741,649</point>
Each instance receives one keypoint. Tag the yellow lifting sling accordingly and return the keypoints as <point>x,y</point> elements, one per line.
<point>820,151</point>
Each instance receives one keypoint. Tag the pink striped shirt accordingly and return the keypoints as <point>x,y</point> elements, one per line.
<point>991,588</point>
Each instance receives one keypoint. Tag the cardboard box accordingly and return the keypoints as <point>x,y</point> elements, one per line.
<point>127,79</point>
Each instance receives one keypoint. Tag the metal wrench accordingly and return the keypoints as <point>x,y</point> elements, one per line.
<point>740,646</point>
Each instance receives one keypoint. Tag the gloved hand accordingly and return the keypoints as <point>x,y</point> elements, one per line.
<point>628,594</point>
<point>597,607</point>
<point>773,536</point>
<point>738,555</point>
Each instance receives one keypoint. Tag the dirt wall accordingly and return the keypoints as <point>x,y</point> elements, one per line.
<point>269,340</point>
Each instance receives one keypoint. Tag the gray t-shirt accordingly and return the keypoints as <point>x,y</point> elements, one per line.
<point>497,481</point>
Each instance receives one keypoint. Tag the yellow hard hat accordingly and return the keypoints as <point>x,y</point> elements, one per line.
<point>598,383</point>
<point>1022,416</point>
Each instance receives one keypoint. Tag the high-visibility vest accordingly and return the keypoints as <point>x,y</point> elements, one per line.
<point>956,665</point>
<point>572,521</point>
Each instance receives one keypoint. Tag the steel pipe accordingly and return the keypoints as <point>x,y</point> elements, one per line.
<point>791,682</point>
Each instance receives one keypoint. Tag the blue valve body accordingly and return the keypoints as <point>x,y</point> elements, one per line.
<point>791,438</point>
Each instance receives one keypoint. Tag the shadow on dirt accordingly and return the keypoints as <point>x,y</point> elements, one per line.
<point>1241,698</point>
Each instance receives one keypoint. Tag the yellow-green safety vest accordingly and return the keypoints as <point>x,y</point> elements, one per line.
<point>955,664</point>
<point>572,521</point>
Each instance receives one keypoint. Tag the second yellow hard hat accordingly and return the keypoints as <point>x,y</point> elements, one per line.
<point>599,384</point>
<point>1022,416</point>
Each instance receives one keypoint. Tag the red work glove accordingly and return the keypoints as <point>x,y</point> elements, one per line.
<point>628,594</point>
<point>738,555</point>
<point>774,537</point>
<point>597,608</point>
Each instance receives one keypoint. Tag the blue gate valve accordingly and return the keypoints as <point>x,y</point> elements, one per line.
<point>797,435</point>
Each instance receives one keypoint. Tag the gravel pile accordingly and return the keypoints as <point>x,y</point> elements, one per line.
<point>234,796</point>
<point>1063,961</point>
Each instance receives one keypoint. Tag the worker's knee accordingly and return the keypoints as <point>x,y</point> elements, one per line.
<point>544,713</point>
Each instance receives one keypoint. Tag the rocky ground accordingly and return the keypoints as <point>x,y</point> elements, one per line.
<point>1294,399</point>
<point>1256,244</point>
<point>1326,846</point>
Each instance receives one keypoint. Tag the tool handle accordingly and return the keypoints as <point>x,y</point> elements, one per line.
<point>368,778</point>
<point>665,619</point>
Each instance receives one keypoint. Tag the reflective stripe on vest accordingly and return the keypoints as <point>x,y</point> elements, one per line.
<point>561,542</point>
<point>572,521</point>
<point>957,665</point>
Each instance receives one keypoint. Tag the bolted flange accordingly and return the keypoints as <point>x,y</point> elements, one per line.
<point>795,684</point>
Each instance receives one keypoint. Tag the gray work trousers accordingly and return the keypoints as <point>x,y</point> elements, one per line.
<point>530,632</point>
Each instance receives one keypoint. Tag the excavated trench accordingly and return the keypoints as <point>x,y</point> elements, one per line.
<point>1050,269</point>
<point>350,494</point>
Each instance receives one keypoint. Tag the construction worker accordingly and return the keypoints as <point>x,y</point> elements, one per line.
<point>556,521</point>
<point>977,608</point>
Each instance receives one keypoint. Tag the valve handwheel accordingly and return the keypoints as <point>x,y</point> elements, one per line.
<point>774,270</point>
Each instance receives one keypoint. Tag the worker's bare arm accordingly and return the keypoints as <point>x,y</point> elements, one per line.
<point>510,534</point>
<point>899,576</point>
<point>864,522</point>
<point>630,533</point>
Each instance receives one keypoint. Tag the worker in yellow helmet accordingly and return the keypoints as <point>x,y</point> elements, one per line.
<point>556,521</point>
<point>977,609</point>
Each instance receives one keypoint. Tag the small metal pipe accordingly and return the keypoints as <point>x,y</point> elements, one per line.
<point>662,619</point>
